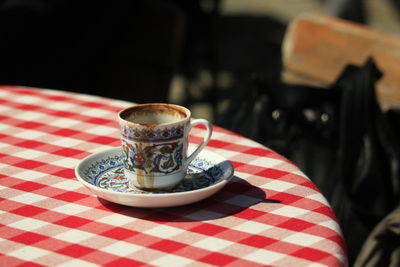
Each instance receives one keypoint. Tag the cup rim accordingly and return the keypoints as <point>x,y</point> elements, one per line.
<point>180,109</point>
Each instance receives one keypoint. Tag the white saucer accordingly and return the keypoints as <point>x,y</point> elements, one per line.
<point>102,173</point>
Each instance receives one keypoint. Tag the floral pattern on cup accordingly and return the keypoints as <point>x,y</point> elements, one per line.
<point>146,135</point>
<point>162,158</point>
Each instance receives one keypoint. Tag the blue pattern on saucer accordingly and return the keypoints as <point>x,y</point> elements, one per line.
<point>109,174</point>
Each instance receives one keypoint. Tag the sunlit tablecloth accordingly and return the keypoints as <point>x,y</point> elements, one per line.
<point>270,214</point>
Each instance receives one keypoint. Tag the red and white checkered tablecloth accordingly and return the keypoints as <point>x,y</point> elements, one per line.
<point>270,214</point>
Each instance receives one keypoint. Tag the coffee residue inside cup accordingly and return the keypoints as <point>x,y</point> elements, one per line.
<point>154,114</point>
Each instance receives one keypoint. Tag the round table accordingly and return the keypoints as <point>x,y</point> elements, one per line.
<point>270,213</point>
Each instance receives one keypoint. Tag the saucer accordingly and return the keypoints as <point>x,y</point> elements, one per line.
<point>103,174</point>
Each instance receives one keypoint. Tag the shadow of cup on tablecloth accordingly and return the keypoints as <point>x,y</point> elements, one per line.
<point>235,197</point>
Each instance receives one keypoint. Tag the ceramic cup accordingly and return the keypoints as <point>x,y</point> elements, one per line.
<point>155,140</point>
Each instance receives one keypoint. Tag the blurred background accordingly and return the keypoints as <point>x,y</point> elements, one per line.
<point>194,52</point>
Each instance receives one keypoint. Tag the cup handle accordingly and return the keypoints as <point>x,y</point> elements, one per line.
<point>206,138</point>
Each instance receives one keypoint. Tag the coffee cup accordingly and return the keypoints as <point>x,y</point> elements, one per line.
<point>155,141</point>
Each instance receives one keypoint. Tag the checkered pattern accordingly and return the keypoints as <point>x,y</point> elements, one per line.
<point>270,214</point>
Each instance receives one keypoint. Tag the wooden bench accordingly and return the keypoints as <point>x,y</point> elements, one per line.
<point>317,47</point>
